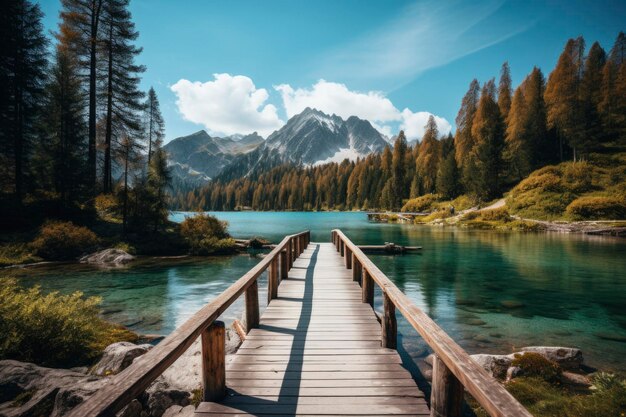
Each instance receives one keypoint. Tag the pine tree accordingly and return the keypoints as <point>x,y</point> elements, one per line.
<point>79,31</point>
<point>447,183</point>
<point>505,90</point>
<point>517,150</point>
<point>61,152</point>
<point>398,171</point>
<point>612,105</point>
<point>120,77</point>
<point>488,129</point>
<point>129,157</point>
<point>562,96</point>
<point>463,140</point>
<point>542,148</point>
<point>159,178</point>
<point>23,63</point>
<point>428,159</point>
<point>155,126</point>
<point>591,95</point>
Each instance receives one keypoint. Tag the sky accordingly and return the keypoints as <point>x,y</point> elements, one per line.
<point>241,66</point>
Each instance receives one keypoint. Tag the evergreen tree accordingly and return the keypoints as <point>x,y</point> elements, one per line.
<point>129,157</point>
<point>159,178</point>
<point>155,126</point>
<point>542,148</point>
<point>505,90</point>
<point>60,156</point>
<point>398,171</point>
<point>22,79</point>
<point>447,182</point>
<point>463,140</point>
<point>120,78</point>
<point>428,159</point>
<point>591,95</point>
<point>79,31</point>
<point>517,138</point>
<point>488,129</point>
<point>612,105</point>
<point>562,96</point>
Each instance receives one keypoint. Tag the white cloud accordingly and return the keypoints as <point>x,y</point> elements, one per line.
<point>413,124</point>
<point>336,98</point>
<point>227,105</point>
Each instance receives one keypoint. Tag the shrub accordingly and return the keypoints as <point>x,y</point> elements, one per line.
<point>604,381</point>
<point>205,235</point>
<point>420,204</point>
<point>535,365</point>
<point>107,206</point>
<point>53,330</point>
<point>593,208</point>
<point>16,253</point>
<point>578,176</point>
<point>496,215</point>
<point>546,182</point>
<point>63,241</point>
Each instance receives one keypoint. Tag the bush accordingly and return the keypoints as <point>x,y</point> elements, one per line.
<point>496,215</point>
<point>420,204</point>
<point>206,235</point>
<point>578,176</point>
<point>595,208</point>
<point>546,182</point>
<point>63,241</point>
<point>16,253</point>
<point>535,365</point>
<point>107,206</point>
<point>53,330</point>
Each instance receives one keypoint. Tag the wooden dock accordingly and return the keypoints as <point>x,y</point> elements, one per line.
<point>317,350</point>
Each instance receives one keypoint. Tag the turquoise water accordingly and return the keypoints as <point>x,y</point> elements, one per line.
<point>492,291</point>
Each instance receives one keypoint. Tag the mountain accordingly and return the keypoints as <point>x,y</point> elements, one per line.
<point>199,157</point>
<point>310,138</point>
<point>313,137</point>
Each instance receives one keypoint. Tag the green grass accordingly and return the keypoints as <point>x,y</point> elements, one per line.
<point>586,190</point>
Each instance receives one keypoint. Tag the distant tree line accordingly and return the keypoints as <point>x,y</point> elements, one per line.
<point>73,120</point>
<point>502,135</point>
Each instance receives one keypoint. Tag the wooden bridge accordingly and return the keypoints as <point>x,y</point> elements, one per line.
<point>318,349</point>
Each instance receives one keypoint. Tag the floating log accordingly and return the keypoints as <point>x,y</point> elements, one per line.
<point>389,248</point>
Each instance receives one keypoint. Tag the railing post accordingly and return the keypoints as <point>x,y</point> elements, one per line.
<point>252,306</point>
<point>389,325</point>
<point>342,248</point>
<point>338,242</point>
<point>367,287</point>
<point>290,253</point>
<point>446,398</point>
<point>272,280</point>
<point>356,269</point>
<point>297,247</point>
<point>213,362</point>
<point>348,258</point>
<point>283,265</point>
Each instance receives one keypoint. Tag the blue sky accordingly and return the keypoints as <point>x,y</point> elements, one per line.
<point>392,62</point>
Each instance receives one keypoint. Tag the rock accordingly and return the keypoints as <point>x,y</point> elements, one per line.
<point>496,365</point>
<point>178,411</point>
<point>161,397</point>
<point>133,409</point>
<point>615,337</point>
<point>108,258</point>
<point>567,358</point>
<point>512,372</point>
<point>117,357</point>
<point>45,391</point>
<point>151,339</point>
<point>430,359</point>
<point>233,341</point>
<point>575,380</point>
<point>511,304</point>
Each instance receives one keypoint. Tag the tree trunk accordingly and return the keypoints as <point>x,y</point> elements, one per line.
<point>125,188</point>
<point>106,188</point>
<point>96,5</point>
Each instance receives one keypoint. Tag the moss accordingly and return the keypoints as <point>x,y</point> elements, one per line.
<point>535,365</point>
<point>196,397</point>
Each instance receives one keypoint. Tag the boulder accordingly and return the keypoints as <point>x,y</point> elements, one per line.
<point>42,391</point>
<point>575,380</point>
<point>161,396</point>
<point>133,409</point>
<point>108,258</point>
<point>117,357</point>
<point>513,372</point>
<point>567,358</point>
<point>496,365</point>
<point>178,411</point>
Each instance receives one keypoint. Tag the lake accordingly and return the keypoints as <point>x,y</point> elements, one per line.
<point>491,291</point>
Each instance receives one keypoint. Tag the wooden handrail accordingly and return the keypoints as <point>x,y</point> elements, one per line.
<point>131,382</point>
<point>452,363</point>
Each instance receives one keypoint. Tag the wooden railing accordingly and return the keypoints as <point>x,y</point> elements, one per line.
<point>131,382</point>
<point>453,369</point>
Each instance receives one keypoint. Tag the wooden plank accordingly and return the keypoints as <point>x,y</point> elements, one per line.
<point>485,389</point>
<point>237,384</point>
<point>317,409</point>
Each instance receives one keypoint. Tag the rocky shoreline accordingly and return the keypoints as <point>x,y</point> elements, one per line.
<point>27,389</point>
